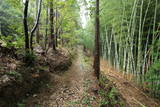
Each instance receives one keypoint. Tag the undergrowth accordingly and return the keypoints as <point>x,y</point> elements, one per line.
<point>17,75</point>
<point>109,94</point>
<point>30,59</point>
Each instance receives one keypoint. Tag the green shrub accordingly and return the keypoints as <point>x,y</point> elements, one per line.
<point>15,74</point>
<point>19,43</point>
<point>12,41</point>
<point>30,59</point>
<point>6,41</point>
<point>153,78</point>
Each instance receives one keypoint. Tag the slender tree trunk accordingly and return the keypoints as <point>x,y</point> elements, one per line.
<point>56,35</point>
<point>36,24</point>
<point>0,30</point>
<point>96,65</point>
<point>37,31</point>
<point>52,26</point>
<point>106,43</point>
<point>154,30</point>
<point>116,53</point>
<point>110,45</point>
<point>46,36</point>
<point>26,26</point>
<point>139,57</point>
<point>37,35</point>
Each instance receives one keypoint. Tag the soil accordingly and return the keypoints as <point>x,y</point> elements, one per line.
<point>134,96</point>
<point>73,88</point>
<point>18,81</point>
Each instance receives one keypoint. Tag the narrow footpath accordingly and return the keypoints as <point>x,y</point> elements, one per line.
<point>73,88</point>
<point>76,87</point>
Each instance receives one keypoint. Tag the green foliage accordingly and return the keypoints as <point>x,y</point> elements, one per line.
<point>12,41</point>
<point>15,74</point>
<point>10,17</point>
<point>109,94</point>
<point>30,59</point>
<point>86,101</point>
<point>109,98</point>
<point>7,41</point>
<point>86,37</point>
<point>74,102</point>
<point>69,39</point>
<point>37,105</point>
<point>103,80</point>
<point>21,105</point>
<point>154,69</point>
<point>19,42</point>
<point>153,77</point>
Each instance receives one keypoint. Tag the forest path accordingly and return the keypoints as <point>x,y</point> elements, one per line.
<point>134,96</point>
<point>73,88</point>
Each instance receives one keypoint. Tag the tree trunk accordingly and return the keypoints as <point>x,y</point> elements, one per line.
<point>37,35</point>
<point>56,35</point>
<point>36,24</point>
<point>46,36</point>
<point>26,26</point>
<point>0,30</point>
<point>96,65</point>
<point>52,26</point>
<point>37,31</point>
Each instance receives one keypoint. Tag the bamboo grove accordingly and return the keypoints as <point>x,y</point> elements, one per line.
<point>130,39</point>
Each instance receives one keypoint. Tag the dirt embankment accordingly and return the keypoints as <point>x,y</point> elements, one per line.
<point>18,80</point>
<point>132,95</point>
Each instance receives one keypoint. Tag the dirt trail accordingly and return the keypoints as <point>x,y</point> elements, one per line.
<point>72,88</point>
<point>133,96</point>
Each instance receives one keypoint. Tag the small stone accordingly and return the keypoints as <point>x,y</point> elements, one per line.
<point>34,95</point>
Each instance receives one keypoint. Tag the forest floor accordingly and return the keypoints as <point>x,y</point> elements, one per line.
<point>132,94</point>
<point>73,88</point>
<point>76,86</point>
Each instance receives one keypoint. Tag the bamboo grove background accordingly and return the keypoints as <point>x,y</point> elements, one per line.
<point>130,39</point>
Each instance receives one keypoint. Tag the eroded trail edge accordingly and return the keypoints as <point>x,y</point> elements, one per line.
<point>133,96</point>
